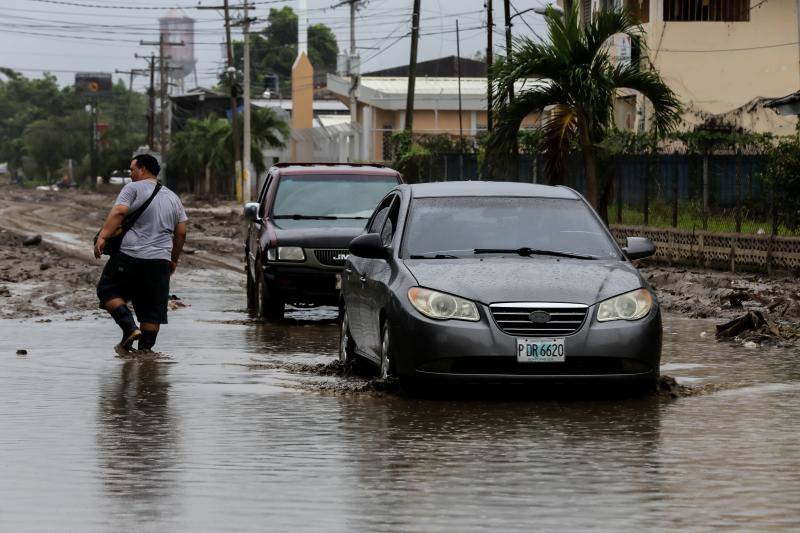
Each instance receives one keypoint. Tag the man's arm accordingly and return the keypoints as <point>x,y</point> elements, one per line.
<point>177,244</point>
<point>112,223</point>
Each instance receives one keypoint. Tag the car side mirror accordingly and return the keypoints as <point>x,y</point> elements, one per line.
<point>369,246</point>
<point>251,212</point>
<point>638,248</point>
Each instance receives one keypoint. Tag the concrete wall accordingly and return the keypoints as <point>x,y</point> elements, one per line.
<point>721,82</point>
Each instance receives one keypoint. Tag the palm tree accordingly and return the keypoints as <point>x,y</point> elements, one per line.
<point>574,76</point>
<point>205,146</point>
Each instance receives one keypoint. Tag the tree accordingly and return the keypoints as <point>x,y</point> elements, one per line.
<point>574,74</point>
<point>274,49</point>
<point>205,146</point>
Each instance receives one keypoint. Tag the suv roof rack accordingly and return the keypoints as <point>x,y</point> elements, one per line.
<point>284,165</point>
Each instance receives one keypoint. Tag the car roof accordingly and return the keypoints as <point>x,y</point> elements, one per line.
<point>334,168</point>
<point>490,188</point>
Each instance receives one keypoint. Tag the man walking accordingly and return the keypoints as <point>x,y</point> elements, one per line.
<point>139,272</point>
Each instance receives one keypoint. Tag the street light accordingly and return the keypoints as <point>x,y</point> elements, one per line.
<point>542,10</point>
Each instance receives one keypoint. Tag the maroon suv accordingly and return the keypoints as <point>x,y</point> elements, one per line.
<point>300,229</point>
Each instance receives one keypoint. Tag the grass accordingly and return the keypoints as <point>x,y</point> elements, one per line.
<point>690,217</point>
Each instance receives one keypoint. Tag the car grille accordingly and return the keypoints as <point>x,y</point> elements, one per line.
<point>335,257</point>
<point>514,318</point>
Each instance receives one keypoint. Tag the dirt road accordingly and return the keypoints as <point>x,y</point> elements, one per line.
<point>59,274</point>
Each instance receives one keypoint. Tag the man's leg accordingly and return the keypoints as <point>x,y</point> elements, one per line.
<point>149,334</point>
<point>119,311</point>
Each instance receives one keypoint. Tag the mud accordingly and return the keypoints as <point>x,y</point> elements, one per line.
<point>46,262</point>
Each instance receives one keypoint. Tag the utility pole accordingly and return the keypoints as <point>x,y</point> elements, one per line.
<point>458,70</point>
<point>163,69</point>
<point>489,50</point>
<point>247,186</point>
<point>237,144</point>
<point>353,82</point>
<point>460,119</point>
<point>131,73</point>
<point>353,66</point>
<point>507,9</point>
<point>412,69</point>
<point>151,99</point>
<point>231,70</point>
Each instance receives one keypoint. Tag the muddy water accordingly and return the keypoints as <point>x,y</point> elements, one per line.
<point>227,435</point>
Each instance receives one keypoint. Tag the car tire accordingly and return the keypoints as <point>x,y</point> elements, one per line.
<point>252,295</point>
<point>270,304</point>
<point>347,347</point>
<point>386,368</point>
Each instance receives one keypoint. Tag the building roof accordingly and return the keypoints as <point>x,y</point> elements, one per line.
<point>327,106</point>
<point>441,68</point>
<point>490,188</point>
<point>430,93</point>
<point>786,105</point>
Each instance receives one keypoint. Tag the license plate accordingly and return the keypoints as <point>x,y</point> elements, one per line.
<point>540,350</point>
<point>338,282</point>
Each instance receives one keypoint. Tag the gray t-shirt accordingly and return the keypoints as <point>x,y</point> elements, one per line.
<point>151,235</point>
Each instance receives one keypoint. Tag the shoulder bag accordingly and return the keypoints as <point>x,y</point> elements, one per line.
<point>114,242</point>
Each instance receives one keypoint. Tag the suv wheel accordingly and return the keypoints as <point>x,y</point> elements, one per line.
<point>270,304</point>
<point>252,294</point>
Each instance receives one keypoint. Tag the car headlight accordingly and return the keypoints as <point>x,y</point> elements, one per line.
<point>286,253</point>
<point>442,306</point>
<point>629,306</point>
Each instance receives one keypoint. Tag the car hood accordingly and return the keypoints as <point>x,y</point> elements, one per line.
<point>531,279</point>
<point>317,233</point>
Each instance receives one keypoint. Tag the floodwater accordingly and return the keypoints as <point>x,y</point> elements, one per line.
<point>227,435</point>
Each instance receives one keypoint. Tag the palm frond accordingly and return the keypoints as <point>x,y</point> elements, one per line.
<point>560,129</point>
<point>666,106</point>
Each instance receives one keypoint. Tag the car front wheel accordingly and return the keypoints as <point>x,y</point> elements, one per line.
<point>270,304</point>
<point>387,364</point>
<point>347,348</point>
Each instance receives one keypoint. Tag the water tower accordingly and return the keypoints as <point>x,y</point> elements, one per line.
<point>178,28</point>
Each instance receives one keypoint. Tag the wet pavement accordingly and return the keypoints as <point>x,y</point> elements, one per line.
<point>228,433</point>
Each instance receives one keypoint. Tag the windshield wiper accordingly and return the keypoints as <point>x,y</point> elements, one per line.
<point>527,252</point>
<point>307,217</point>
<point>353,218</point>
<point>433,256</point>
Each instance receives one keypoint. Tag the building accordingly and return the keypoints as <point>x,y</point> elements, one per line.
<point>382,103</point>
<point>725,59</point>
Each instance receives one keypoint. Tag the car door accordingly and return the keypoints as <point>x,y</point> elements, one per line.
<point>354,289</point>
<point>376,275</point>
<point>255,230</point>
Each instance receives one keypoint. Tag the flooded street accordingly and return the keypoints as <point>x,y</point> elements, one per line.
<point>229,433</point>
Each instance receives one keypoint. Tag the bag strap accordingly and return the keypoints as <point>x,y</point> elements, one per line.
<point>130,220</point>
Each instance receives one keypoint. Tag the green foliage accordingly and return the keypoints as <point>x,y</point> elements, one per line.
<point>410,156</point>
<point>578,80</point>
<point>695,142</point>
<point>204,148</point>
<point>45,124</point>
<point>274,49</point>
<point>782,171</point>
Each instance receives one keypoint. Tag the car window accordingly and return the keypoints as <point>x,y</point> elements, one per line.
<point>467,223</point>
<point>351,196</point>
<point>379,217</point>
<point>263,196</point>
<point>387,232</point>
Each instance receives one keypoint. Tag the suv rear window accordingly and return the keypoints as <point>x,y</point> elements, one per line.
<point>331,195</point>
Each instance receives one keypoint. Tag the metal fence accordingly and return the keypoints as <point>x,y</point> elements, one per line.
<point>718,193</point>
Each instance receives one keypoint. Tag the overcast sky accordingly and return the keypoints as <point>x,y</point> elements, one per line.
<point>64,36</point>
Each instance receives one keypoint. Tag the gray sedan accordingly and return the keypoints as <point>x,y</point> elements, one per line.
<point>483,281</point>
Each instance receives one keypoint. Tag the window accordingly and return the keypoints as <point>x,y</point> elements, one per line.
<point>345,196</point>
<point>706,10</point>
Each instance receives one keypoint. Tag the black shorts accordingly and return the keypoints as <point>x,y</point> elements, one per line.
<point>145,282</point>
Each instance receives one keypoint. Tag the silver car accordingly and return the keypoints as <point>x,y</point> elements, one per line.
<point>487,281</point>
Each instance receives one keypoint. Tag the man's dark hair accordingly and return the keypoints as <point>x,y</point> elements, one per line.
<point>148,162</point>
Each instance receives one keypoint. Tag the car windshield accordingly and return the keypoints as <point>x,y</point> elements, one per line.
<point>441,228</point>
<point>330,196</point>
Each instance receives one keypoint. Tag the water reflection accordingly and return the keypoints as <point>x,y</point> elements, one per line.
<point>138,444</point>
<point>509,465</point>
